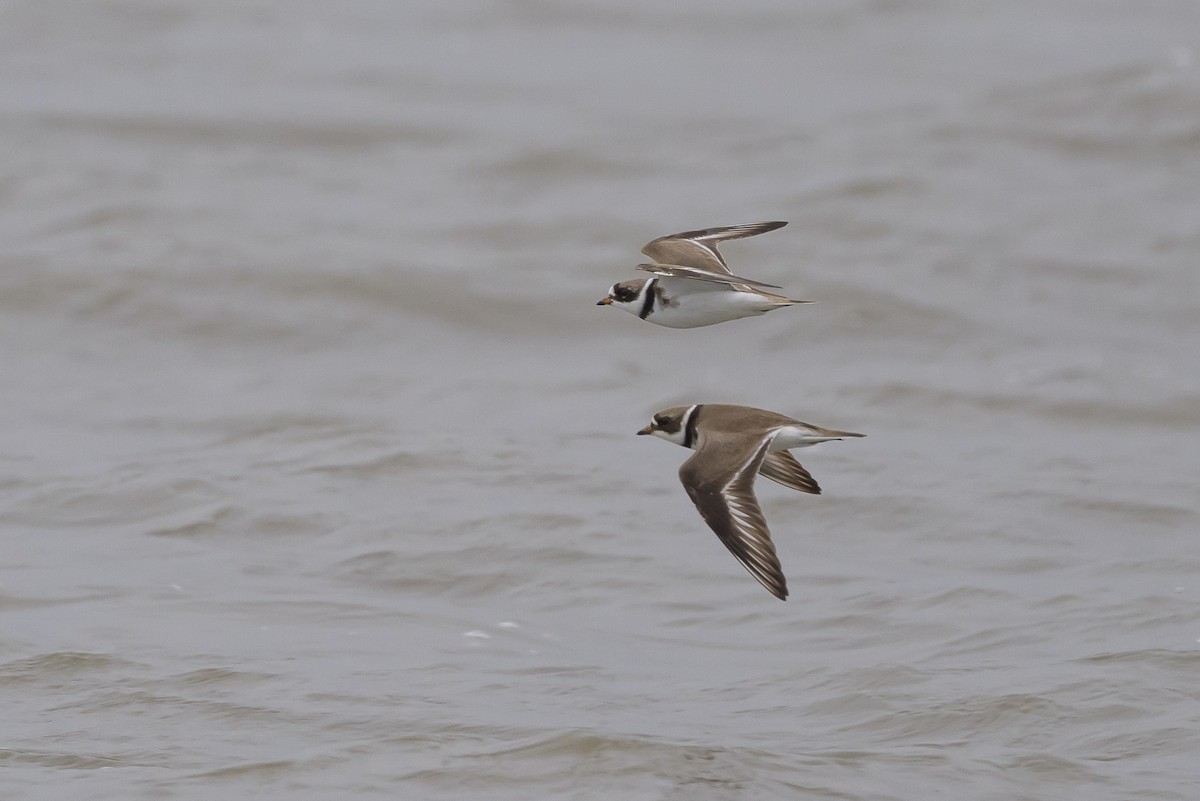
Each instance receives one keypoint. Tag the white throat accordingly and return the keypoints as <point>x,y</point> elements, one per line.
<point>677,437</point>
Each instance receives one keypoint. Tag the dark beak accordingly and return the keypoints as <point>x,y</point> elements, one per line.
<point>647,430</point>
<point>606,302</point>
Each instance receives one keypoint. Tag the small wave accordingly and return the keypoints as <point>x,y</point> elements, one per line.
<point>1176,412</point>
<point>54,667</point>
<point>269,134</point>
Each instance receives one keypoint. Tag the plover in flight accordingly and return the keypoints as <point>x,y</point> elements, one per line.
<point>733,445</point>
<point>693,286</point>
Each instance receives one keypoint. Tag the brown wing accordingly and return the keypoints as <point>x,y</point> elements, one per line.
<point>719,478</point>
<point>783,468</point>
<point>695,273</point>
<point>699,248</point>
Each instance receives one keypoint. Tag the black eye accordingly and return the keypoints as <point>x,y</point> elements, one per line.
<point>625,294</point>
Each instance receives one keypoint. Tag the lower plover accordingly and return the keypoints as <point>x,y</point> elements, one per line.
<point>733,444</point>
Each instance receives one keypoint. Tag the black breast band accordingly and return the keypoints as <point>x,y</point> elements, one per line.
<point>648,303</point>
<point>689,431</point>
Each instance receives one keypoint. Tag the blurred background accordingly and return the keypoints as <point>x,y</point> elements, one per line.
<point>317,470</point>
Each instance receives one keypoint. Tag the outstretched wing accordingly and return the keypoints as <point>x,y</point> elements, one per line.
<point>719,478</point>
<point>783,468</point>
<point>679,271</point>
<point>699,248</point>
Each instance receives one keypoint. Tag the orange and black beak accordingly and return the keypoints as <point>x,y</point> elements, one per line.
<point>606,302</point>
<point>650,429</point>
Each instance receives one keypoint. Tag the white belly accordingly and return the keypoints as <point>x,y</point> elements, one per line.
<point>693,308</point>
<point>796,437</point>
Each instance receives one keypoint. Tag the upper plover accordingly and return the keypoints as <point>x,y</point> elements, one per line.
<point>693,286</point>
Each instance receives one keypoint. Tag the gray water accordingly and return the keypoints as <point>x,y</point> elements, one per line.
<point>317,473</point>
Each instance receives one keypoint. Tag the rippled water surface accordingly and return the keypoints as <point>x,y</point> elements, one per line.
<point>318,477</point>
